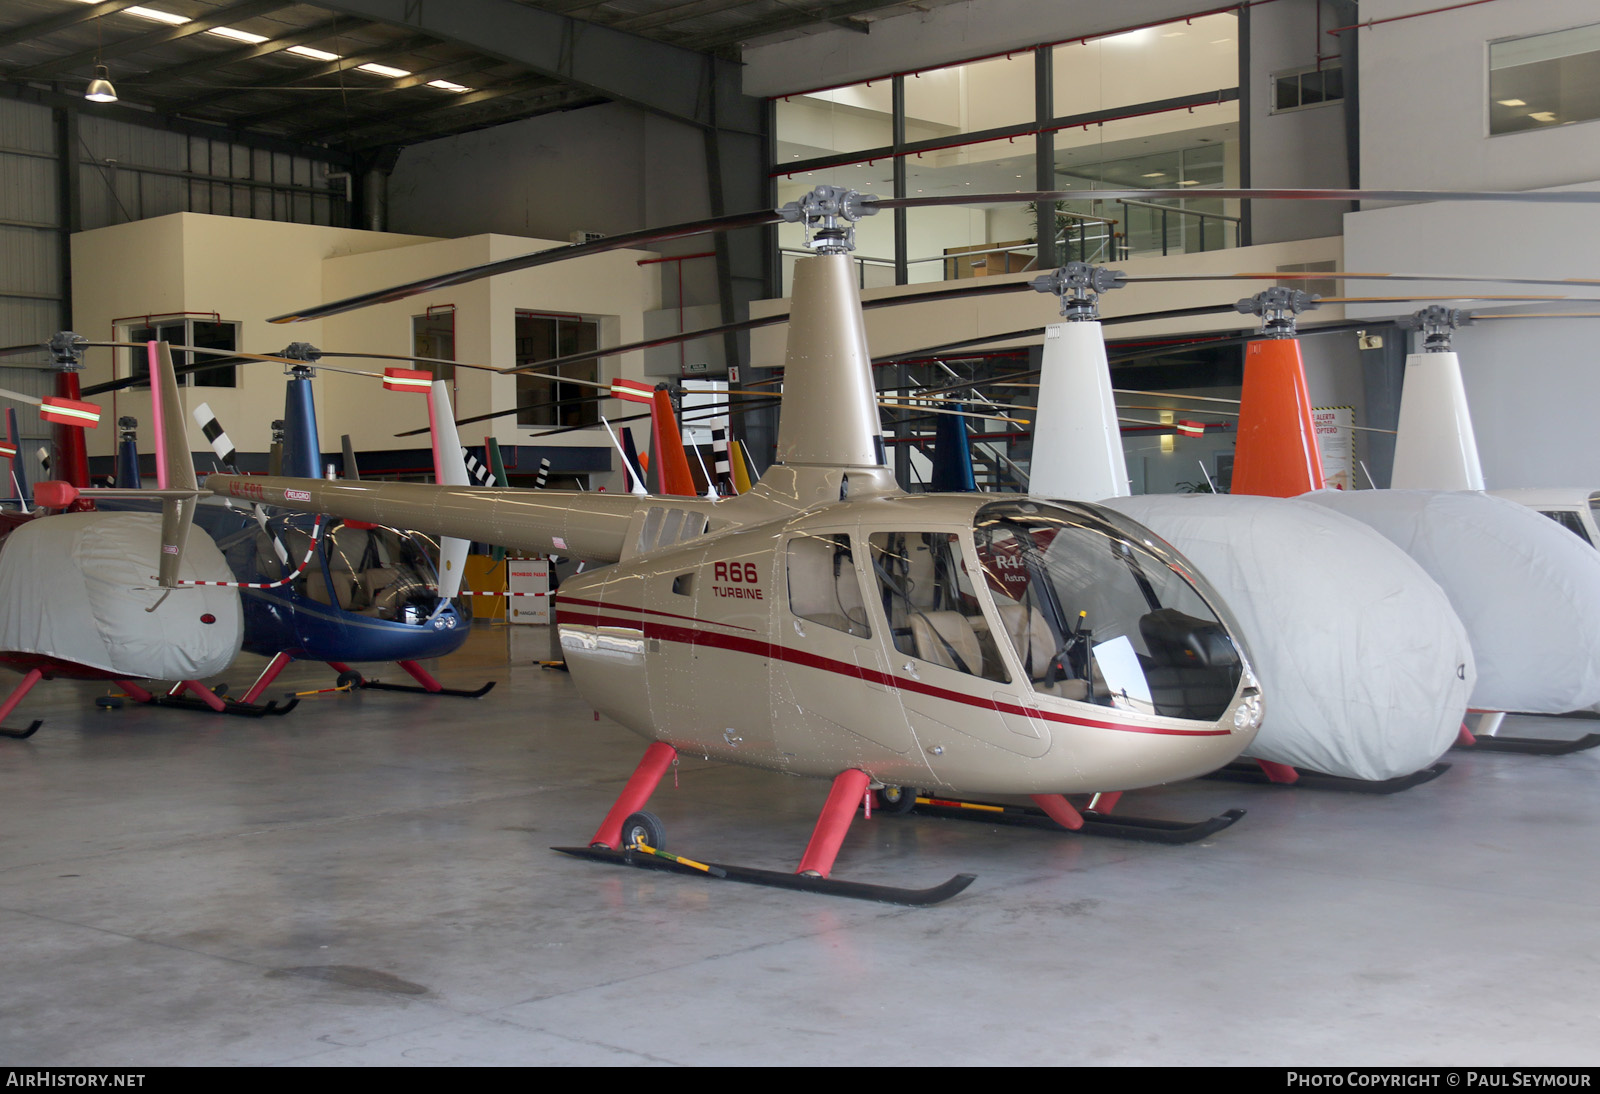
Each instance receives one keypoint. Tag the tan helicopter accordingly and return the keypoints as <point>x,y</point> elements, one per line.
<point>959,643</point>
<point>826,624</point>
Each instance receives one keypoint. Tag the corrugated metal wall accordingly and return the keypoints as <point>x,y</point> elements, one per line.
<point>125,172</point>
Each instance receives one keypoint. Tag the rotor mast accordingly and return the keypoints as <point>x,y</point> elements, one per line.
<point>830,414</point>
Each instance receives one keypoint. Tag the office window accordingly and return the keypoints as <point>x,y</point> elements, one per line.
<point>1544,80</point>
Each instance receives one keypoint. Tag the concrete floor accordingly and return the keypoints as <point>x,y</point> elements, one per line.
<point>368,881</point>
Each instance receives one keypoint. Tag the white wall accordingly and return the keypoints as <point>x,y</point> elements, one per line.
<point>248,270</point>
<point>1425,83</point>
<point>1531,385</point>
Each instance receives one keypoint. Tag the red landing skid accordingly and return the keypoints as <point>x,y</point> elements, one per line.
<point>644,831</point>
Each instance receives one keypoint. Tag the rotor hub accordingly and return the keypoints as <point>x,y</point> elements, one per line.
<point>301,351</point>
<point>1079,286</point>
<point>66,349</point>
<point>1278,308</point>
<point>127,428</point>
<point>1437,322</point>
<point>828,216</point>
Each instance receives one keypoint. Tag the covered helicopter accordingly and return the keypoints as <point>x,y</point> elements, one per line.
<point>976,646</point>
<point>341,592</point>
<point>76,599</point>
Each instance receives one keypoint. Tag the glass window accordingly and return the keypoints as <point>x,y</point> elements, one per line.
<point>845,119</point>
<point>823,586</point>
<point>946,243</point>
<point>1307,87</point>
<point>201,333</point>
<point>969,98</point>
<point>1196,149</point>
<point>1096,616</point>
<point>1544,80</point>
<point>434,335</point>
<point>933,613</point>
<point>1147,65</point>
<point>547,400</point>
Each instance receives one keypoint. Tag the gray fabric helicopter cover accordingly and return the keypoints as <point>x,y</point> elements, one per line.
<point>77,586</point>
<point>1527,590</point>
<point>1364,668</point>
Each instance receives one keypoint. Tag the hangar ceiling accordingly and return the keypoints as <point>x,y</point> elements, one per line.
<point>358,75</point>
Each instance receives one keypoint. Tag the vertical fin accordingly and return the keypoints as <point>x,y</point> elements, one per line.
<point>174,464</point>
<point>952,455</point>
<point>448,469</point>
<point>668,462</point>
<point>351,471</point>
<point>741,476</point>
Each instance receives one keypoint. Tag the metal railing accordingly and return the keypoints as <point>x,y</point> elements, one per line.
<point>1193,226</point>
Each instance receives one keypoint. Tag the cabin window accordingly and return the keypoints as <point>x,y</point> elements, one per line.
<point>1096,616</point>
<point>933,613</point>
<point>823,585</point>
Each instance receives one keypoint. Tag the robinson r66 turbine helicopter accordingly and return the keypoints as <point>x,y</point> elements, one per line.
<point>956,643</point>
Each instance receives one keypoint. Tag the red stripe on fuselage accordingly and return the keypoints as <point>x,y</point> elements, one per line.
<point>694,636</point>
<point>645,611</point>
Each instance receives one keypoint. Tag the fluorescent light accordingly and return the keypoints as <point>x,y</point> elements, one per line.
<point>1511,102</point>
<point>1542,115</point>
<point>314,54</point>
<point>1154,175</point>
<point>446,85</point>
<point>384,70</point>
<point>1188,182</point>
<point>158,16</point>
<point>238,35</point>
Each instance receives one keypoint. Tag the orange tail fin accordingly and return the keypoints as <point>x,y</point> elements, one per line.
<point>1277,453</point>
<point>671,463</point>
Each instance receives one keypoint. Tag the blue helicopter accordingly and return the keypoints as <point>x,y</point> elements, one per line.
<point>330,590</point>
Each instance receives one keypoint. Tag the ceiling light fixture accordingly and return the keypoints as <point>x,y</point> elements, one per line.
<point>238,35</point>
<point>158,16</point>
<point>100,89</point>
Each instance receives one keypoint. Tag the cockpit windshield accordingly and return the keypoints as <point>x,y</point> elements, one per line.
<point>371,570</point>
<point>1097,616</point>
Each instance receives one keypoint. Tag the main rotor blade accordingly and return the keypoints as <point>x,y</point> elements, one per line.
<point>529,261</point>
<point>1557,197</point>
<point>990,289</point>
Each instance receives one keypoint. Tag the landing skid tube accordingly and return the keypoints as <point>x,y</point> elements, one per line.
<point>32,677</point>
<point>1531,746</point>
<point>1486,738</point>
<point>1143,829</point>
<point>425,685</point>
<point>1250,772</point>
<point>883,894</point>
<point>242,710</point>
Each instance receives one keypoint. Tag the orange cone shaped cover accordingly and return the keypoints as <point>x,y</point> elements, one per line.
<point>1277,454</point>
